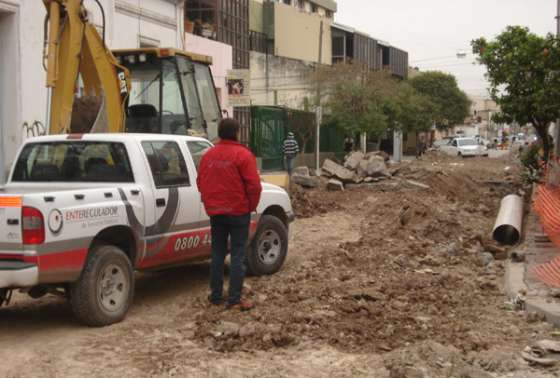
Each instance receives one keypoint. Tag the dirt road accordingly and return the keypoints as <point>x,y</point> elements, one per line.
<point>381,281</point>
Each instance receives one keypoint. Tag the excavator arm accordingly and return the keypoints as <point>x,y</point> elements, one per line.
<point>76,56</point>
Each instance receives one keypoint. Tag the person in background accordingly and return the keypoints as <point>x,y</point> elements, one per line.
<point>348,145</point>
<point>291,149</point>
<point>230,188</point>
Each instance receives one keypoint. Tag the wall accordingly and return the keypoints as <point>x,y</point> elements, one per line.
<point>287,85</point>
<point>256,16</point>
<point>9,85</point>
<point>21,39</point>
<point>221,62</point>
<point>290,25</point>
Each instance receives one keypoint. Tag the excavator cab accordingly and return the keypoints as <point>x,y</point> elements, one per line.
<point>172,92</point>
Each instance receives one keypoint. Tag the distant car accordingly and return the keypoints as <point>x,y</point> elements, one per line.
<point>442,142</point>
<point>465,147</point>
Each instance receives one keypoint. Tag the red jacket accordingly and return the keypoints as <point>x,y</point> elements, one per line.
<point>228,180</point>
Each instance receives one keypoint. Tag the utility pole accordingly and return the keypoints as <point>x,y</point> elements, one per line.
<point>319,113</point>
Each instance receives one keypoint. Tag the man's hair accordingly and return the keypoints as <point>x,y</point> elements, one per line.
<point>228,128</point>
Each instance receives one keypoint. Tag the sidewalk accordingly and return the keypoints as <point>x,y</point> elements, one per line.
<point>521,280</point>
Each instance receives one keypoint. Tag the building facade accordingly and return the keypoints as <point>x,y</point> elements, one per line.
<point>23,95</point>
<point>352,46</point>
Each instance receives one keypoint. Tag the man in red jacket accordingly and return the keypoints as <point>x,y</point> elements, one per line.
<point>230,187</point>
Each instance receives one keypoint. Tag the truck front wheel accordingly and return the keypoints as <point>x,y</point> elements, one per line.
<point>104,292</point>
<point>268,250</point>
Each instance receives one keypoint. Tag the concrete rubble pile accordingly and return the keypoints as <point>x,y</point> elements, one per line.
<point>358,168</point>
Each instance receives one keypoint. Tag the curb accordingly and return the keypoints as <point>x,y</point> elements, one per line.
<point>515,273</point>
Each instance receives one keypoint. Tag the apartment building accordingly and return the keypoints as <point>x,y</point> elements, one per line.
<point>352,46</point>
<point>23,95</point>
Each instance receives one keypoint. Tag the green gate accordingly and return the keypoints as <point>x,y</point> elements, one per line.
<point>268,130</point>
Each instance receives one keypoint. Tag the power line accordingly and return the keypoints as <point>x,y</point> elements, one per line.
<point>456,56</point>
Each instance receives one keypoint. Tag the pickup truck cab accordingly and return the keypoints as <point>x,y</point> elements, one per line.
<point>80,213</point>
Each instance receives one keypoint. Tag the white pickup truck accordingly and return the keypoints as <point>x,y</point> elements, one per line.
<point>80,213</point>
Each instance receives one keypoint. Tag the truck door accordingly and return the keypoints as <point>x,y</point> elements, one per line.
<point>172,235</point>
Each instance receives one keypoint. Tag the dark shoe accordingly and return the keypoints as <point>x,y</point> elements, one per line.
<point>218,302</point>
<point>243,305</point>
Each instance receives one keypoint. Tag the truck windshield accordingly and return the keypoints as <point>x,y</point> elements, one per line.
<point>73,162</point>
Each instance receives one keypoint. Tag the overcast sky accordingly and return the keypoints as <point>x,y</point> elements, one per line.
<point>433,31</point>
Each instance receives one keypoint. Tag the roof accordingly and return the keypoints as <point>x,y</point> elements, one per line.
<point>327,4</point>
<point>352,30</point>
<point>165,52</point>
<point>110,137</point>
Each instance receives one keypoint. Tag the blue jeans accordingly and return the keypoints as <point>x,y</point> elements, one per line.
<point>237,228</point>
<point>290,162</point>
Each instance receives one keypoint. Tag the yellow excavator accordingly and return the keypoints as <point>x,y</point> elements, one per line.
<point>94,89</point>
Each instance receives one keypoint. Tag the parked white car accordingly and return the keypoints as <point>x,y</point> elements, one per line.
<point>464,147</point>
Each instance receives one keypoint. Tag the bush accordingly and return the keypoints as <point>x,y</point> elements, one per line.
<point>531,161</point>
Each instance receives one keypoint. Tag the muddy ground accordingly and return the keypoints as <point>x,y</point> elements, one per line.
<point>386,280</point>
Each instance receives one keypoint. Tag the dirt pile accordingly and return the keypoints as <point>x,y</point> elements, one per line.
<point>415,275</point>
<point>308,203</point>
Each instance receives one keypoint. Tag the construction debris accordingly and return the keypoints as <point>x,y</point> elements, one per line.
<point>332,169</point>
<point>359,168</point>
<point>301,176</point>
<point>543,353</point>
<point>335,185</point>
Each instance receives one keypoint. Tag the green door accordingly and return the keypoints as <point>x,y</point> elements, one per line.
<point>268,130</point>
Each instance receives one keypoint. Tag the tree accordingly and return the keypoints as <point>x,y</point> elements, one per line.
<point>409,110</point>
<point>449,104</point>
<point>356,108</point>
<point>524,75</point>
<point>354,97</point>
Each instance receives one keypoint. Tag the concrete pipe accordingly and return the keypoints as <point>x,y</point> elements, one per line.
<point>507,229</point>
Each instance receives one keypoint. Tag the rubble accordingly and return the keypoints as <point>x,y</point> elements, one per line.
<point>305,181</point>
<point>301,176</point>
<point>359,168</point>
<point>332,169</point>
<point>335,185</point>
<point>353,160</point>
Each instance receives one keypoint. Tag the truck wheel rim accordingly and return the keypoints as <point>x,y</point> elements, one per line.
<point>269,247</point>
<point>113,288</point>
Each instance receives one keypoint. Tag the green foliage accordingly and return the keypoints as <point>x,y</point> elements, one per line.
<point>449,104</point>
<point>410,110</point>
<point>530,160</point>
<point>530,156</point>
<point>359,100</point>
<point>358,108</point>
<point>524,75</point>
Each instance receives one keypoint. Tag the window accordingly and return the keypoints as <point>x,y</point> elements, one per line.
<point>73,162</point>
<point>166,163</point>
<point>454,143</point>
<point>198,149</point>
<point>208,100</point>
<point>314,8</point>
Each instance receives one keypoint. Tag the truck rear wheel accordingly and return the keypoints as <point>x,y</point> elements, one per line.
<point>104,292</point>
<point>268,250</point>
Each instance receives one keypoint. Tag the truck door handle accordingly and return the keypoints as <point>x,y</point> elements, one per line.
<point>160,202</point>
<point>13,222</point>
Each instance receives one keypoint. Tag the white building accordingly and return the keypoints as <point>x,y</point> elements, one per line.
<point>129,24</point>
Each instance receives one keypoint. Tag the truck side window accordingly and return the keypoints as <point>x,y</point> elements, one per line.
<point>166,163</point>
<point>454,144</point>
<point>197,150</point>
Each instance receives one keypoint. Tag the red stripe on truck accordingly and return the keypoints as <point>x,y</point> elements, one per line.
<point>66,260</point>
